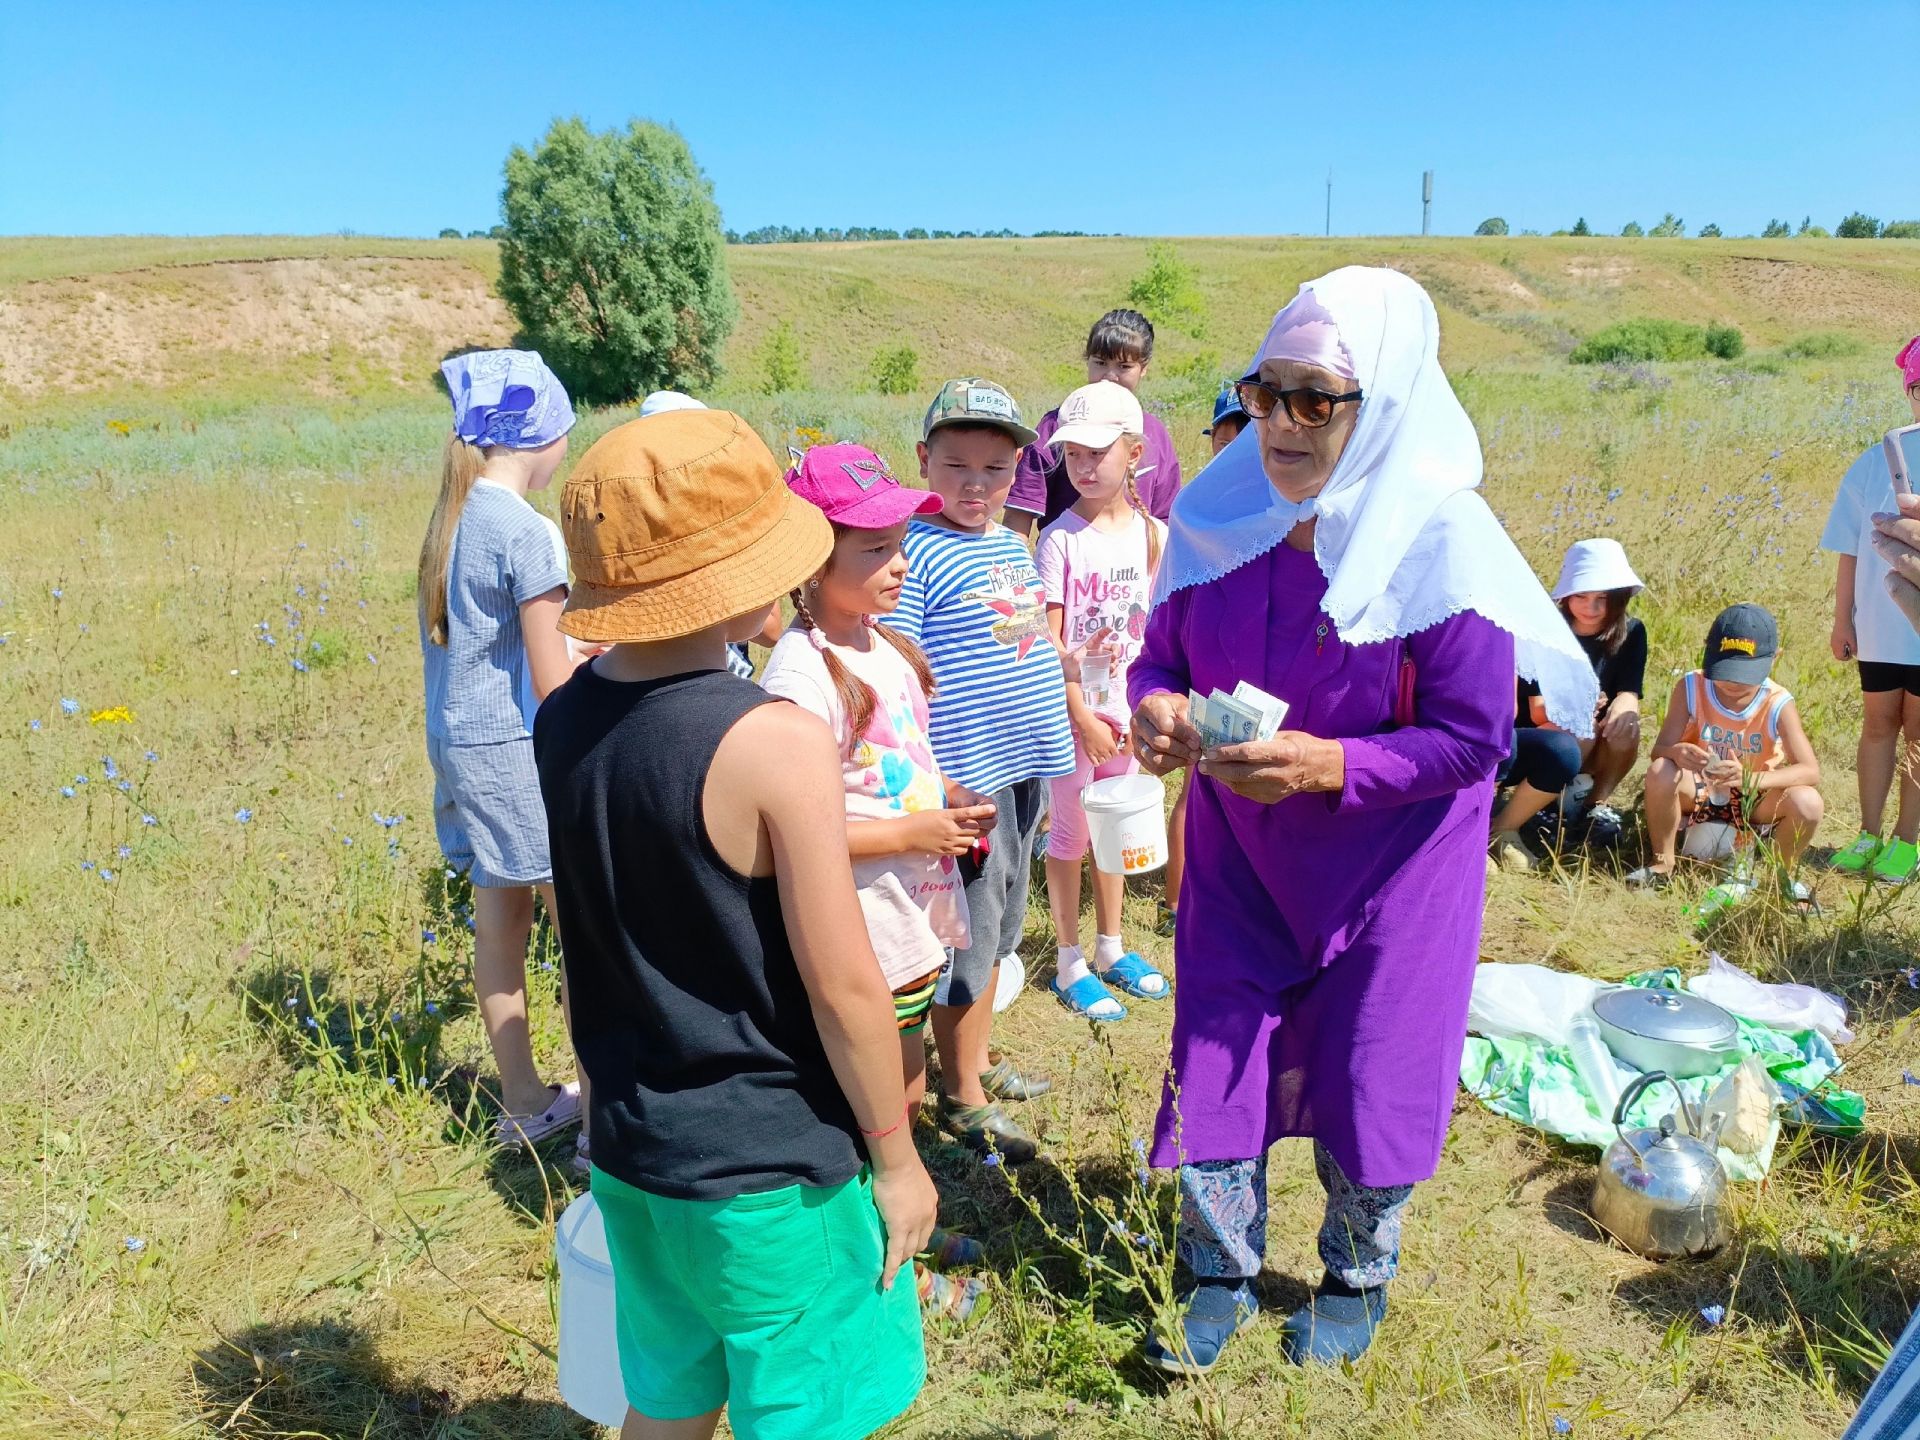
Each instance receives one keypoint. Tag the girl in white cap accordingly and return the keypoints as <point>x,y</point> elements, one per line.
<point>1595,589</point>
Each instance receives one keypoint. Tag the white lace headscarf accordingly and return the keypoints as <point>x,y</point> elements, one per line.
<point>1404,538</point>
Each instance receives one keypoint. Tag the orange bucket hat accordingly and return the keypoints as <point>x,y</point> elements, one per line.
<point>679,522</point>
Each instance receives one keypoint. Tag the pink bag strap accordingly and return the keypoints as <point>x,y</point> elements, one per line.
<point>1403,715</point>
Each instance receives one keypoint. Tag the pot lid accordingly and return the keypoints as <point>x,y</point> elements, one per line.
<point>1671,1015</point>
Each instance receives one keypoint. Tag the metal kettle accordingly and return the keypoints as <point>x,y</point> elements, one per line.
<point>1660,1193</point>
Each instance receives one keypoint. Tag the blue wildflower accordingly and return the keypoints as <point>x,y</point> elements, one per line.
<point>1907,1078</point>
<point>69,707</point>
<point>133,1243</point>
<point>1137,1145</point>
<point>107,875</point>
<point>312,1024</point>
<point>432,1008</point>
<point>392,1081</point>
<point>86,865</point>
<point>124,852</point>
<point>123,786</point>
<point>427,937</point>
<point>242,816</point>
<point>152,755</point>
<point>108,768</point>
<point>1562,1425</point>
<point>148,820</point>
<point>79,779</point>
<point>224,1099</point>
<point>292,1001</point>
<point>991,1160</point>
<point>1912,976</point>
<point>372,659</point>
<point>300,665</point>
<point>269,639</point>
<point>59,594</point>
<point>1713,1314</point>
<point>346,840</point>
<point>67,790</point>
<point>301,591</point>
<point>33,724</point>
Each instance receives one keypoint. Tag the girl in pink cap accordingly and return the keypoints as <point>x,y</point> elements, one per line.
<point>1870,629</point>
<point>871,685</point>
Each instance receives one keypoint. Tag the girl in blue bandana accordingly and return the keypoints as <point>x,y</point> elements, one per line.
<point>493,578</point>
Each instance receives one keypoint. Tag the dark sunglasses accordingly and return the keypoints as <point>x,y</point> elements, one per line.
<point>1306,407</point>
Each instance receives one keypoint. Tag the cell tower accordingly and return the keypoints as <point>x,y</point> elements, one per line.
<point>1426,201</point>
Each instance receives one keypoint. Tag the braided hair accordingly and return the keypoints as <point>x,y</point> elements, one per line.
<point>857,699</point>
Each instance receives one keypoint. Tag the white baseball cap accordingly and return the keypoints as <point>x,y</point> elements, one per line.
<point>1595,565</point>
<point>661,401</point>
<point>1096,415</point>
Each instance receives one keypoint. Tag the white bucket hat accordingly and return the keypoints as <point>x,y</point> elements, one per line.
<point>1595,565</point>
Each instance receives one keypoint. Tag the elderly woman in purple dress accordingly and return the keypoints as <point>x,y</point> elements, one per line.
<point>1338,556</point>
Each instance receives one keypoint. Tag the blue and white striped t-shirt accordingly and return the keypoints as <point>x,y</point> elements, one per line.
<point>479,685</point>
<point>973,602</point>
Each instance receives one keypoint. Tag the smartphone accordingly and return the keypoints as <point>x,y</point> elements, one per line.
<point>1896,447</point>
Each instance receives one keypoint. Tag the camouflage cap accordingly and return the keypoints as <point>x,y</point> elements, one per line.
<point>974,401</point>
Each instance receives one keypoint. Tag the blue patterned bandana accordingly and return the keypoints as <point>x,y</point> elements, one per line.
<point>507,398</point>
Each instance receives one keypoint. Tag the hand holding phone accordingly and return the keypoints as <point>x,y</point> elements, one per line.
<point>1894,448</point>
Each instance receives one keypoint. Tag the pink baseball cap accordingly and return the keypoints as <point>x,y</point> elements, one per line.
<point>853,487</point>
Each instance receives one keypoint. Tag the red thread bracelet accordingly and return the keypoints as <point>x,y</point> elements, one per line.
<point>882,1134</point>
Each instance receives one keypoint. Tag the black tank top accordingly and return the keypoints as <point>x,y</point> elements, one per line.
<point>709,1077</point>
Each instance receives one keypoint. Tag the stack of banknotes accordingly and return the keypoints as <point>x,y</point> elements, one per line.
<point>1249,713</point>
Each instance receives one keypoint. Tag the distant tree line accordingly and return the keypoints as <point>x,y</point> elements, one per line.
<point>1857,226</point>
<point>801,235</point>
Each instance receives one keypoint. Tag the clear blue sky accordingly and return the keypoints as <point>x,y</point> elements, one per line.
<point>1168,118</point>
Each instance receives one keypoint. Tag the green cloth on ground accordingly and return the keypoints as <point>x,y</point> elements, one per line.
<point>1528,1080</point>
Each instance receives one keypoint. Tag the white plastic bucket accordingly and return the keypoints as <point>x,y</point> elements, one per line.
<point>589,1347</point>
<point>1127,819</point>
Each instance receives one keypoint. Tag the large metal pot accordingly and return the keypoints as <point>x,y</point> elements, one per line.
<point>1660,1193</point>
<point>1667,1030</point>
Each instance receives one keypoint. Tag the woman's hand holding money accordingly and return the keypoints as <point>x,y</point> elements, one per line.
<point>1163,738</point>
<point>1269,771</point>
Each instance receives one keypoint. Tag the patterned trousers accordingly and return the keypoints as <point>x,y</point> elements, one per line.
<point>1223,1222</point>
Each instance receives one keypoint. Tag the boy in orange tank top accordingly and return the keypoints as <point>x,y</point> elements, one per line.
<point>1733,750</point>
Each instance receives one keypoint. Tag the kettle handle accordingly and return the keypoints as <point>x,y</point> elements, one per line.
<point>1633,1092</point>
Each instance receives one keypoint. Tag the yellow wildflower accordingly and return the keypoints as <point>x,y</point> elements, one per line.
<point>112,715</point>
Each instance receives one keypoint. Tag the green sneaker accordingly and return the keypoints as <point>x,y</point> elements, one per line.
<point>1859,855</point>
<point>1896,862</point>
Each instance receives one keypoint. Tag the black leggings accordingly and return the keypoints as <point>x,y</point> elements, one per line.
<point>1545,759</point>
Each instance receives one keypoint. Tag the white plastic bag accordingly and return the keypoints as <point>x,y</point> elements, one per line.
<point>1527,1000</point>
<point>1785,1007</point>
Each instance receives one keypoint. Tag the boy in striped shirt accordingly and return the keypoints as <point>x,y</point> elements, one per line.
<point>972,600</point>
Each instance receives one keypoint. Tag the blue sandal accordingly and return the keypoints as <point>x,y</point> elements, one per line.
<point>1131,971</point>
<point>1085,993</point>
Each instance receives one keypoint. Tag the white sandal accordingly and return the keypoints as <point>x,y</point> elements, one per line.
<point>562,1114</point>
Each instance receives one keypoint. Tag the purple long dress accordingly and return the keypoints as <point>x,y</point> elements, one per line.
<point>1326,944</point>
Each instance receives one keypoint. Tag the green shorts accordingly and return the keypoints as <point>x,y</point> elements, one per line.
<point>769,1304</point>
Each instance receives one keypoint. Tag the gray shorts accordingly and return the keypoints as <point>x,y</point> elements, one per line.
<point>487,812</point>
<point>997,896</point>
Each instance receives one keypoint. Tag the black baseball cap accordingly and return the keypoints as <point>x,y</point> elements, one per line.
<point>1742,644</point>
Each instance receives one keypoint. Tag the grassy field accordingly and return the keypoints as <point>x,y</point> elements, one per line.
<point>249,1186</point>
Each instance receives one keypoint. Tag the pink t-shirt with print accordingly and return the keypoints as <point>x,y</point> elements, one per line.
<point>890,772</point>
<point>1100,579</point>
